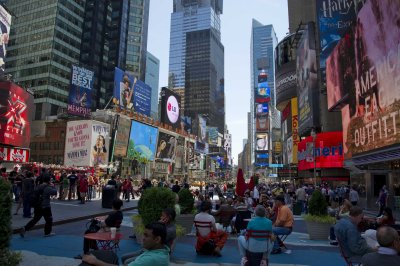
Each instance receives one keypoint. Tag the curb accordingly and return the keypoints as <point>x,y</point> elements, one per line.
<point>74,219</point>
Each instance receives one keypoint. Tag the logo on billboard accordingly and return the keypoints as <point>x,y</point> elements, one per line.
<point>172,109</point>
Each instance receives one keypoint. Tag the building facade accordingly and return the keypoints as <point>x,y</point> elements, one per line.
<point>152,79</point>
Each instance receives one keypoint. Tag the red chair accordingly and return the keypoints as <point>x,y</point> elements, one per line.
<point>255,258</point>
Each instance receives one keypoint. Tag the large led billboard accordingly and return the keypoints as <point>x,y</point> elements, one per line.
<point>170,108</point>
<point>371,120</point>
<point>166,147</point>
<point>307,80</point>
<point>142,141</point>
<point>262,142</point>
<point>16,111</point>
<point>262,124</point>
<point>80,91</point>
<point>131,93</point>
<point>5,22</point>
<point>122,137</point>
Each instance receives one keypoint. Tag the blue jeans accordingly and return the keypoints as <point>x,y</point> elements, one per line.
<point>280,231</point>
<point>27,206</point>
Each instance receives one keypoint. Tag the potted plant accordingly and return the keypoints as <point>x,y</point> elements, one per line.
<point>317,220</point>
<point>186,202</point>
<point>150,206</point>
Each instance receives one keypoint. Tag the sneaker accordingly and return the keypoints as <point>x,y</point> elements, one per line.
<point>244,261</point>
<point>49,235</point>
<point>22,232</point>
<point>276,251</point>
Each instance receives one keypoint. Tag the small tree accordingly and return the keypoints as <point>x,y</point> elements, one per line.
<point>186,201</point>
<point>7,258</point>
<point>153,201</point>
<point>317,206</point>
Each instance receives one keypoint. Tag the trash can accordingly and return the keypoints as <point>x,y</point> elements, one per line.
<point>297,208</point>
<point>108,195</point>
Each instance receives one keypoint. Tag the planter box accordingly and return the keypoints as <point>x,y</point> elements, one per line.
<point>318,231</point>
<point>186,221</point>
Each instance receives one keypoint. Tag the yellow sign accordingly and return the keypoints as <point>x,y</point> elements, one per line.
<point>295,129</point>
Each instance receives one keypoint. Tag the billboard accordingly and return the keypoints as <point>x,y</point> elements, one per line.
<point>142,141</point>
<point>80,91</point>
<point>5,22</point>
<point>16,111</point>
<point>328,151</point>
<point>17,155</point>
<point>180,153</point>
<point>307,80</point>
<point>295,131</point>
<point>335,18</point>
<point>131,93</point>
<point>263,92</point>
<point>262,142</point>
<point>201,147</point>
<point>212,135</point>
<point>166,147</point>
<point>371,120</point>
<point>262,122</point>
<point>202,134</point>
<point>189,152</point>
<point>122,137</point>
<point>261,108</point>
<point>170,108</point>
<point>100,143</point>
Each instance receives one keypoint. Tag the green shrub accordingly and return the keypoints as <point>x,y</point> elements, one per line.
<point>7,257</point>
<point>153,201</point>
<point>320,219</point>
<point>317,205</point>
<point>186,201</point>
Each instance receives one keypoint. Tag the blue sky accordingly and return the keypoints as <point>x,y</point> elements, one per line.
<point>236,31</point>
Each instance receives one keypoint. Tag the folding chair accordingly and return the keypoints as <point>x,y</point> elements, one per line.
<point>347,259</point>
<point>255,258</point>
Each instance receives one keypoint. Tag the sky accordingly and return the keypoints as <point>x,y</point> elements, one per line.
<point>236,33</point>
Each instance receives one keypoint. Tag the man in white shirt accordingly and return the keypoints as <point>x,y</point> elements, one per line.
<point>301,197</point>
<point>353,196</point>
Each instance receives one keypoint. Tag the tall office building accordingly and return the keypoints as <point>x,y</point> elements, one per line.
<point>300,11</point>
<point>152,79</point>
<point>262,58</point>
<point>45,38</point>
<point>196,60</point>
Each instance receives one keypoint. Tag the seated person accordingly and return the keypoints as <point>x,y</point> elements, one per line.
<point>226,212</point>
<point>283,224</point>
<point>386,218</point>
<point>256,245</point>
<point>354,246</point>
<point>167,218</point>
<point>113,220</point>
<point>208,237</point>
<point>389,243</point>
<point>156,252</point>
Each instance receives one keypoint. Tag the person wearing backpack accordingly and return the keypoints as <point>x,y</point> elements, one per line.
<point>40,201</point>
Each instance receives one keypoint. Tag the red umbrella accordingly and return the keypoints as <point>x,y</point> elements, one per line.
<point>240,183</point>
<point>251,184</point>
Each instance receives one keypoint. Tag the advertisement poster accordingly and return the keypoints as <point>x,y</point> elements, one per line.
<point>328,151</point>
<point>124,85</point>
<point>261,108</point>
<point>122,137</point>
<point>212,135</point>
<point>201,147</point>
<point>335,18</point>
<point>307,79</point>
<point>180,153</point>
<point>289,150</point>
<point>100,143</point>
<point>262,142</point>
<point>166,147</point>
<point>262,122</point>
<point>16,113</point>
<point>78,144</point>
<point>142,141</point>
<point>142,98</point>
<point>189,152</point>
<point>371,120</point>
<point>202,134</point>
<point>14,155</point>
<point>80,92</point>
<point>263,92</point>
<point>295,130</point>
<point>5,22</point>
<point>170,108</point>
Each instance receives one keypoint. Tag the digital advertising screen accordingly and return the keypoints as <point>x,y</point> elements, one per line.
<point>16,114</point>
<point>80,92</point>
<point>5,23</point>
<point>262,122</point>
<point>166,147</point>
<point>142,141</point>
<point>262,142</point>
<point>122,138</point>
<point>170,108</point>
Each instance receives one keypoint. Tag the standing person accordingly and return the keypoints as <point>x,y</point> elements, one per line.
<point>62,188</point>
<point>83,188</point>
<point>353,196</point>
<point>72,185</point>
<point>210,191</point>
<point>42,207</point>
<point>28,186</point>
<point>176,187</point>
<point>90,187</point>
<point>382,200</point>
<point>127,189</point>
<point>301,196</point>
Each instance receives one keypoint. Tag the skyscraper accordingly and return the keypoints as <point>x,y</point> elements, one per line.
<point>196,60</point>
<point>263,42</point>
<point>45,39</point>
<point>152,79</point>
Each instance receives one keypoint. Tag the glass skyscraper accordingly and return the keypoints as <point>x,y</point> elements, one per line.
<point>152,79</point>
<point>196,60</point>
<point>262,49</point>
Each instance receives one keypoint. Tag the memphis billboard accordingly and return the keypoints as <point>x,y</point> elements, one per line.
<point>80,92</point>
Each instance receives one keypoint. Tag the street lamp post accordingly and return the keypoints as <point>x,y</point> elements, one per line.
<point>314,136</point>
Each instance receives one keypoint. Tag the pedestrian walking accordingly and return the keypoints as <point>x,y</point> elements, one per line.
<point>42,208</point>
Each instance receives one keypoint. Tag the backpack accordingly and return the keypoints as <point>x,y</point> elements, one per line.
<point>37,197</point>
